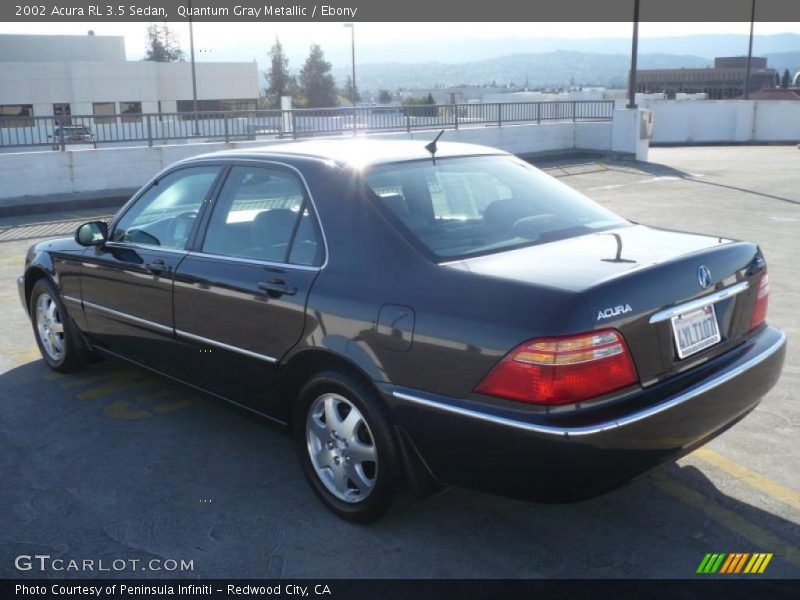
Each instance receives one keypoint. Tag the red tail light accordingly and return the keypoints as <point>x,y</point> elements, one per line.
<point>562,370</point>
<point>762,300</point>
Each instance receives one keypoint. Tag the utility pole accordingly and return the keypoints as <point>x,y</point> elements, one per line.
<point>194,76</point>
<point>352,28</point>
<point>634,52</point>
<point>749,51</point>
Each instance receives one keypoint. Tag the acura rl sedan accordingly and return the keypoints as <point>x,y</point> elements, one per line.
<point>418,316</point>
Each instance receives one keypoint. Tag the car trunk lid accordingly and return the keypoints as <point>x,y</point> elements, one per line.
<point>630,276</point>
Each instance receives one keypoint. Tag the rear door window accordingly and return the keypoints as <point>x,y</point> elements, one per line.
<point>262,214</point>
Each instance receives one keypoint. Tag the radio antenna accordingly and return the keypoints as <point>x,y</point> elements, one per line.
<point>432,147</point>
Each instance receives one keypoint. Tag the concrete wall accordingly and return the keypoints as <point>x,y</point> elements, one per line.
<point>54,172</point>
<point>690,121</point>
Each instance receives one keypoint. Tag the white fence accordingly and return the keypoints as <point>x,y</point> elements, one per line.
<point>724,121</point>
<point>90,170</point>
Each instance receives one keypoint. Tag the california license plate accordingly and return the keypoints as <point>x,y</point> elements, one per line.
<point>695,331</point>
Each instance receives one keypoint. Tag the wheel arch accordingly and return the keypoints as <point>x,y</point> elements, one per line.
<point>303,365</point>
<point>32,275</point>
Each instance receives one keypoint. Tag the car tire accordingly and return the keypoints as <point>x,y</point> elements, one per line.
<point>335,446</point>
<point>56,334</point>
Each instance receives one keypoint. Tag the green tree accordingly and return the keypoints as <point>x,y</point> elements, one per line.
<point>278,80</point>
<point>348,90</point>
<point>316,81</point>
<point>786,79</point>
<point>384,97</point>
<point>777,79</point>
<point>162,45</point>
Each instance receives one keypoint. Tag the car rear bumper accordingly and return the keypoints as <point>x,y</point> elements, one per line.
<point>532,456</point>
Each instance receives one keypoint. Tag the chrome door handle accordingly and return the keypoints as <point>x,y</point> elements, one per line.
<point>157,267</point>
<point>277,287</point>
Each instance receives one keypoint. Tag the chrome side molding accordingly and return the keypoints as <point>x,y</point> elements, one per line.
<point>224,346</point>
<point>607,425</point>
<point>126,317</point>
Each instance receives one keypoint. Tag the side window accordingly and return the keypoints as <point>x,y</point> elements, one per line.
<point>164,215</point>
<point>261,213</point>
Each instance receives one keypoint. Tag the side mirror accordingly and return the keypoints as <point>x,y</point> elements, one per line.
<point>93,233</point>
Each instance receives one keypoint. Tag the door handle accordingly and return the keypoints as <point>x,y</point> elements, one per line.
<point>277,287</point>
<point>157,267</point>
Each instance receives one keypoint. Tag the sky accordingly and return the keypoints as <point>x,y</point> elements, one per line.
<point>249,41</point>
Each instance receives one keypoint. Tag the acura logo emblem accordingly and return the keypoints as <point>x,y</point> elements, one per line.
<point>703,276</point>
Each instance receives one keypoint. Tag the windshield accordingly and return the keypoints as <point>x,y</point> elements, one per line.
<point>469,206</point>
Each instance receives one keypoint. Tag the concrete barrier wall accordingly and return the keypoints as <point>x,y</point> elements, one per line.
<point>721,121</point>
<point>88,170</point>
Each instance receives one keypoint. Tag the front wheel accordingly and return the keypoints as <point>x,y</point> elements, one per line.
<point>61,346</point>
<point>347,447</point>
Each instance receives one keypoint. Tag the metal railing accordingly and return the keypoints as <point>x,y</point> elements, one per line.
<point>60,132</point>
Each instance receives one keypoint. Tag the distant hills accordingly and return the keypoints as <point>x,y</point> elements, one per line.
<point>543,62</point>
<point>547,69</point>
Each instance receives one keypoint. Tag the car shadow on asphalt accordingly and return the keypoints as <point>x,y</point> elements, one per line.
<point>91,463</point>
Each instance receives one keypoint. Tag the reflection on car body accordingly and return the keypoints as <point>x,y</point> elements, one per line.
<point>467,321</point>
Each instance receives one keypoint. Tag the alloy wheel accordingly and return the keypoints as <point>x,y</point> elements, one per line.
<point>50,327</point>
<point>341,448</point>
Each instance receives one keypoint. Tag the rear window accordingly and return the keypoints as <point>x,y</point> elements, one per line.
<point>468,206</point>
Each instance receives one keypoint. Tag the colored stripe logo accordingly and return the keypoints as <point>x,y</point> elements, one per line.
<point>736,562</point>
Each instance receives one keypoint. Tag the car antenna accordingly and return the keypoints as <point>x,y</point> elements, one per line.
<point>432,147</point>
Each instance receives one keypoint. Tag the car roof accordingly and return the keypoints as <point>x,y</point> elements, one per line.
<point>356,151</point>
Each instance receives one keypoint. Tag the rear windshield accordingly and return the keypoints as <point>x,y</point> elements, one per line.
<point>469,206</point>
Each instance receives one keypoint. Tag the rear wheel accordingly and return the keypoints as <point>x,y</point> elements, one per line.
<point>346,446</point>
<point>60,344</point>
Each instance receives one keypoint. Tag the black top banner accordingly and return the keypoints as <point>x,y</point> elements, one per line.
<point>399,10</point>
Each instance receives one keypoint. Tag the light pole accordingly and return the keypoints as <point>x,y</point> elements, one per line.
<point>634,52</point>
<point>749,52</point>
<point>353,58</point>
<point>352,28</point>
<point>194,76</point>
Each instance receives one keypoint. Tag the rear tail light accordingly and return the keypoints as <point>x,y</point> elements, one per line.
<point>762,300</point>
<point>562,370</point>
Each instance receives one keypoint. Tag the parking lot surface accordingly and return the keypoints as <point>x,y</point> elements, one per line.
<point>115,463</point>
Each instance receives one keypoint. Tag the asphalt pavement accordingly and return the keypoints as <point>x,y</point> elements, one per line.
<point>116,464</point>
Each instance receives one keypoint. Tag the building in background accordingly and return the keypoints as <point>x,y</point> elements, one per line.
<point>66,75</point>
<point>724,80</point>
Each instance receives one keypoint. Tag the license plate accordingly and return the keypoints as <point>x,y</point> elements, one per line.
<point>695,331</point>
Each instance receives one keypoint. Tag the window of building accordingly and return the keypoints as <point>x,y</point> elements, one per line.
<point>13,115</point>
<point>62,112</point>
<point>101,109</point>
<point>131,112</point>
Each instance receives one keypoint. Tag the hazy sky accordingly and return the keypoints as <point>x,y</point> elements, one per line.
<point>248,41</point>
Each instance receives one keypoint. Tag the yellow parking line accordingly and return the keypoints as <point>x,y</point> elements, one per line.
<point>761,483</point>
<point>121,410</point>
<point>165,408</point>
<point>79,381</point>
<point>154,395</point>
<point>756,535</point>
<point>117,384</point>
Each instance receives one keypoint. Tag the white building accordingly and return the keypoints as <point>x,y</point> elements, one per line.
<point>43,75</point>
